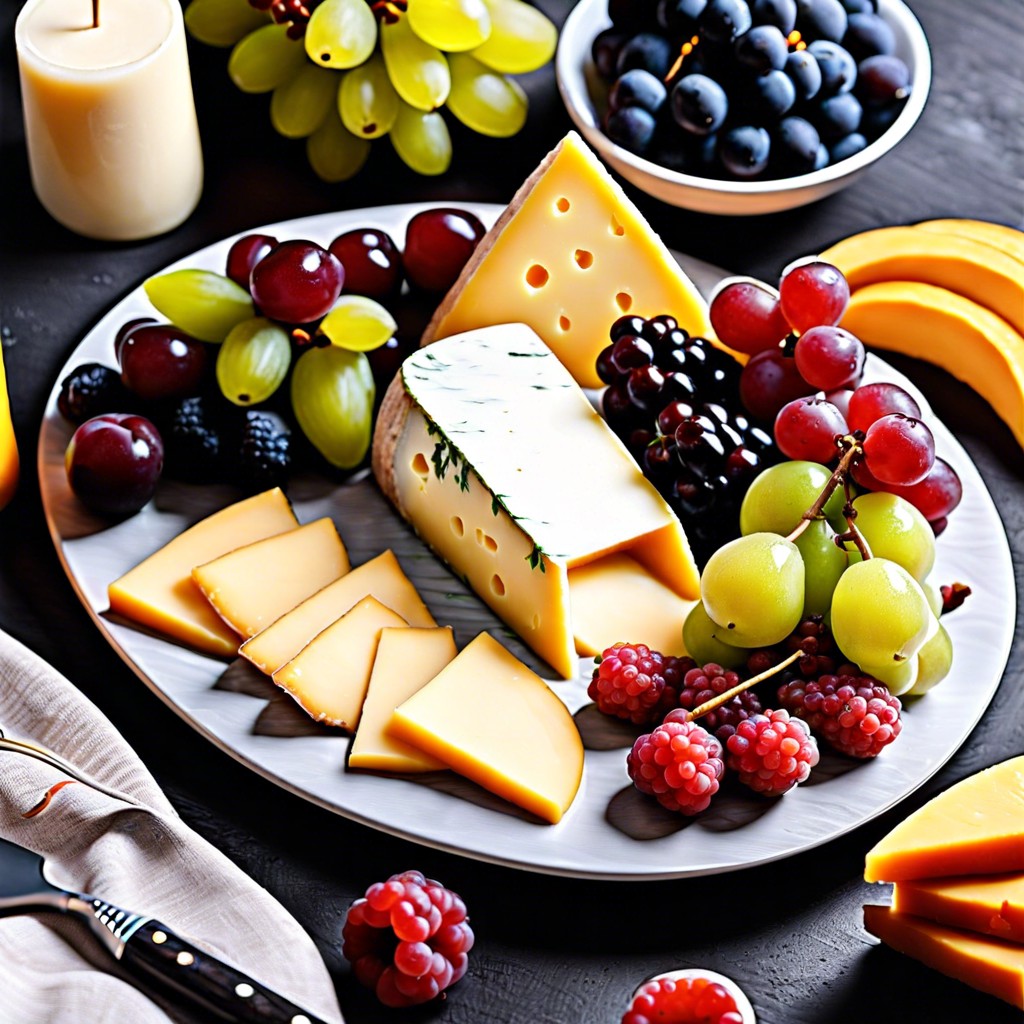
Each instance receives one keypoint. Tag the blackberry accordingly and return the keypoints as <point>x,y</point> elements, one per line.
<point>194,441</point>
<point>91,390</point>
<point>264,457</point>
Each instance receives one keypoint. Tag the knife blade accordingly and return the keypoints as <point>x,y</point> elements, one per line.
<point>151,950</point>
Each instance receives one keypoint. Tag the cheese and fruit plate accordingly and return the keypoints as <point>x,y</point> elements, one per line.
<point>516,559</point>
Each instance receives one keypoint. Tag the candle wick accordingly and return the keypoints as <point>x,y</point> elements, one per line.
<point>95,13</point>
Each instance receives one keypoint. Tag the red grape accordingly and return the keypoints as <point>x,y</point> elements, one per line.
<point>899,450</point>
<point>937,494</point>
<point>829,357</point>
<point>372,262</point>
<point>629,352</point>
<point>747,317</point>
<point>438,244</point>
<point>297,282</point>
<point>806,428</point>
<point>812,295</point>
<point>769,381</point>
<point>125,329</point>
<point>870,402</point>
<point>159,361</point>
<point>244,254</point>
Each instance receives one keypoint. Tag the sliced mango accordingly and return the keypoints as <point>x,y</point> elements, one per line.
<point>944,328</point>
<point>976,270</point>
<point>1010,240</point>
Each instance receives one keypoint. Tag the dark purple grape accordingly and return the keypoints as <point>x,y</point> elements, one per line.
<point>723,21</point>
<point>837,116</point>
<point>744,151</point>
<point>804,72</point>
<point>633,14</point>
<point>821,19</point>
<point>630,351</point>
<point>795,146</point>
<point>604,51</point>
<point>780,13</point>
<point>628,324</point>
<point>297,282</point>
<point>644,386</point>
<point>698,443</point>
<point>680,387</point>
<point>617,407</point>
<point>126,329</point>
<point>847,146</point>
<point>672,415</point>
<point>762,49</point>
<point>860,6</point>
<point>648,51</point>
<point>637,88</point>
<point>605,368</point>
<point>159,361</point>
<point>680,18</point>
<point>877,120</point>
<point>882,80</point>
<point>372,262</point>
<point>244,254</point>
<point>659,459</point>
<point>838,68</point>
<point>771,96</point>
<point>438,244</point>
<point>631,127</point>
<point>868,35</point>
<point>385,361</point>
<point>699,104</point>
<point>693,494</point>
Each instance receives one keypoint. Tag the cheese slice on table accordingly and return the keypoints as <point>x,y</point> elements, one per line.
<point>254,585</point>
<point>329,676</point>
<point>406,660</point>
<point>485,443</point>
<point>381,577</point>
<point>160,592</point>
<point>989,965</point>
<point>974,827</point>
<point>490,718</point>
<point>992,904</point>
<point>569,256</point>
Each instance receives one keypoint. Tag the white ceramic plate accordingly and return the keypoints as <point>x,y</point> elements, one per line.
<point>600,837</point>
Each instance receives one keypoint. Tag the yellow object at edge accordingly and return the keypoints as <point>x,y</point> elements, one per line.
<point>8,444</point>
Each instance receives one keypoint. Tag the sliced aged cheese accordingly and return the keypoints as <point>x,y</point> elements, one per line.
<point>406,660</point>
<point>490,718</point>
<point>989,965</point>
<point>569,256</point>
<point>329,676</point>
<point>254,585</point>
<point>381,577</point>
<point>993,904</point>
<point>974,827</point>
<point>489,448</point>
<point>160,592</point>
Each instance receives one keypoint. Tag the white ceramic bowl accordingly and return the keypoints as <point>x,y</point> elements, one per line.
<point>583,91</point>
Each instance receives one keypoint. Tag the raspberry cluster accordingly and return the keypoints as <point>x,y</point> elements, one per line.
<point>679,764</point>
<point>772,752</point>
<point>683,1001</point>
<point>705,683</point>
<point>637,684</point>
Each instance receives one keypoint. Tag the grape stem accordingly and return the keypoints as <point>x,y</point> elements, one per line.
<point>95,13</point>
<point>722,698</point>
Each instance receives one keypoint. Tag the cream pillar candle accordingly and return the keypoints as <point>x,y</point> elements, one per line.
<point>110,122</point>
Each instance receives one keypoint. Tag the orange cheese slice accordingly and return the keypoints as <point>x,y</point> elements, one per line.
<point>381,577</point>
<point>989,965</point>
<point>329,676</point>
<point>254,585</point>
<point>490,718</point>
<point>406,660</point>
<point>160,592</point>
<point>992,904</point>
<point>974,827</point>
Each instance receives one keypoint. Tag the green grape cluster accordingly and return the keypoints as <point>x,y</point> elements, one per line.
<point>882,610</point>
<point>341,73</point>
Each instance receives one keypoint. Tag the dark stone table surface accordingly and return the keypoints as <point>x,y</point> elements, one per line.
<point>549,950</point>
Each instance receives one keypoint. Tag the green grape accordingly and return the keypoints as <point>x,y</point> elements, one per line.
<point>895,529</point>
<point>753,587</point>
<point>264,59</point>
<point>824,563</point>
<point>253,361</point>
<point>781,494</point>
<point>900,677</point>
<point>200,302</point>
<point>222,22</point>
<point>450,25</point>
<point>332,398</point>
<point>935,659</point>
<point>418,71</point>
<point>700,638</point>
<point>522,39</point>
<point>422,140</point>
<point>334,153</point>
<point>484,100</point>
<point>358,324</point>
<point>299,106</point>
<point>341,33</point>
<point>933,591</point>
<point>367,100</point>
<point>880,614</point>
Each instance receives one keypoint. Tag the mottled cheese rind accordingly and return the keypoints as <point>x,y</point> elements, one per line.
<point>987,964</point>
<point>991,904</point>
<point>488,717</point>
<point>160,593</point>
<point>381,577</point>
<point>570,255</point>
<point>406,660</point>
<point>254,585</point>
<point>974,827</point>
<point>329,676</point>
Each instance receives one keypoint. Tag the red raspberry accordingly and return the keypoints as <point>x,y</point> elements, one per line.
<point>408,938</point>
<point>628,683</point>
<point>855,714</point>
<point>703,684</point>
<point>772,752</point>
<point>683,1001</point>
<point>679,763</point>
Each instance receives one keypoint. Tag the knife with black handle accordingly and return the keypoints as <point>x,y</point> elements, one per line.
<point>149,949</point>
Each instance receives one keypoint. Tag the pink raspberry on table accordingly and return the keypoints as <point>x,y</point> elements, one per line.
<point>683,1001</point>
<point>680,764</point>
<point>771,752</point>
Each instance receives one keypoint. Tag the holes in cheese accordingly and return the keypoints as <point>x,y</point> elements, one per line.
<point>537,276</point>
<point>562,204</point>
<point>564,323</point>
<point>160,593</point>
<point>329,676</point>
<point>406,660</point>
<point>992,904</point>
<point>624,301</point>
<point>381,578</point>
<point>487,716</point>
<point>584,259</point>
<point>254,585</point>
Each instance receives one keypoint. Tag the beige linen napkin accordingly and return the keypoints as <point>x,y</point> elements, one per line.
<point>121,840</point>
